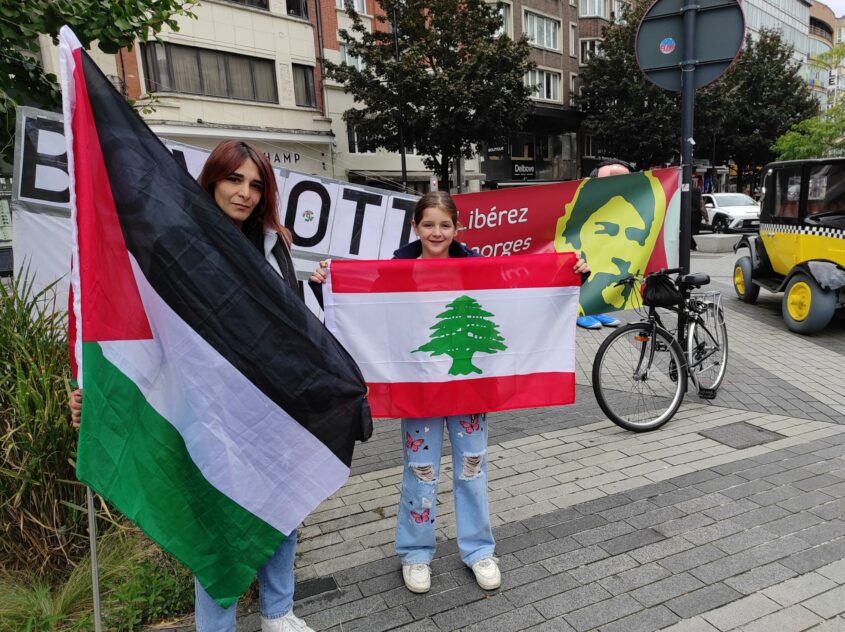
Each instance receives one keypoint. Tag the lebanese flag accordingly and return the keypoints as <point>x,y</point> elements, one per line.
<point>217,410</point>
<point>458,336</point>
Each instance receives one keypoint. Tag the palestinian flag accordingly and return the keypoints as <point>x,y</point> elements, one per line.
<point>452,336</point>
<point>217,411</point>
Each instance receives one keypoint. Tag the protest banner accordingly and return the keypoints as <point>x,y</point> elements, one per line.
<point>621,224</point>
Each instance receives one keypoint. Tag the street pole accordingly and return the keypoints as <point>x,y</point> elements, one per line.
<point>401,105</point>
<point>95,565</point>
<point>687,110</point>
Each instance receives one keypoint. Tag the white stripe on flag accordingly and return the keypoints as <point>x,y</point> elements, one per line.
<point>381,330</point>
<point>243,443</point>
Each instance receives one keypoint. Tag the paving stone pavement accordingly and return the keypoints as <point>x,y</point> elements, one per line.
<point>598,528</point>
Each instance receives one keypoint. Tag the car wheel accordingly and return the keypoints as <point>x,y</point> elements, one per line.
<point>744,288</point>
<point>806,307</point>
<point>720,224</point>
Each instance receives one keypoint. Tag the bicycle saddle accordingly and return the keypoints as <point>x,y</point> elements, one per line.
<point>696,279</point>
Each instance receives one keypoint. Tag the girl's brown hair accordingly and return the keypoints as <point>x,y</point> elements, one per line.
<point>224,161</point>
<point>436,199</point>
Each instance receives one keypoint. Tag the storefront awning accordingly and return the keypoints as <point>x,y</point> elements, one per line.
<point>241,133</point>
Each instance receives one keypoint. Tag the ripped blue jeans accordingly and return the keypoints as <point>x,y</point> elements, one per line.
<point>415,522</point>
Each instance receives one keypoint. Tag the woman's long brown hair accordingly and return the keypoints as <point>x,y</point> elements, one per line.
<point>224,161</point>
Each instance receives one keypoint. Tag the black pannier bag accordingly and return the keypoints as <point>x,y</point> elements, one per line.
<point>661,291</point>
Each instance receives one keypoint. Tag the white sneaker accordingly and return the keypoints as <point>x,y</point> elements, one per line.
<point>487,573</point>
<point>288,623</point>
<point>417,577</point>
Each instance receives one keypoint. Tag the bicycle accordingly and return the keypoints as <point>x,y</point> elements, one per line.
<point>641,371</point>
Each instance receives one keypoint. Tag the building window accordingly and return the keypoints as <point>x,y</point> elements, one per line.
<point>542,31</point>
<point>358,144</point>
<point>545,84</point>
<point>573,88</point>
<point>188,70</point>
<point>619,10</point>
<point>593,9</point>
<point>258,4</point>
<point>349,59</point>
<point>303,86</point>
<point>358,5</point>
<point>505,13</point>
<point>589,47</point>
<point>573,39</point>
<point>591,148</point>
<point>299,8</point>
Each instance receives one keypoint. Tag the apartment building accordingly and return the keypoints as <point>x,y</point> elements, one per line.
<point>545,147</point>
<point>821,29</point>
<point>242,69</point>
<point>353,159</point>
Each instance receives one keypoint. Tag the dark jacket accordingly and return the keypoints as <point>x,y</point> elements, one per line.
<point>409,251</point>
<point>414,249</point>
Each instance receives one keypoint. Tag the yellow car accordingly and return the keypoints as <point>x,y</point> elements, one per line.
<point>800,248</point>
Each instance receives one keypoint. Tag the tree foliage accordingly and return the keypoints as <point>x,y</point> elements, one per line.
<point>629,117</point>
<point>738,117</point>
<point>460,83</point>
<point>817,136</point>
<point>759,99</point>
<point>113,25</point>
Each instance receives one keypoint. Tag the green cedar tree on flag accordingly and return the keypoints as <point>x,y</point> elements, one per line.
<point>217,410</point>
<point>463,330</point>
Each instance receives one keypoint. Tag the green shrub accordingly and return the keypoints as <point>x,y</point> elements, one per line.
<point>41,526</point>
<point>138,584</point>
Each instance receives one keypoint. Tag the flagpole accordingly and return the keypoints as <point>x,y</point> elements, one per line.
<point>95,571</point>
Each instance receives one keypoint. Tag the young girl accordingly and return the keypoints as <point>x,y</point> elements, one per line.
<point>241,181</point>
<point>435,222</point>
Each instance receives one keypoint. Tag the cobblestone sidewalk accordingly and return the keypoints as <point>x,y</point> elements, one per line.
<point>686,528</point>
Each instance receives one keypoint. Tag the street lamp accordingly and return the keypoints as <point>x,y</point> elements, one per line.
<point>401,105</point>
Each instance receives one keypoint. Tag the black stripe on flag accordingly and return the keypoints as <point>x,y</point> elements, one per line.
<point>209,273</point>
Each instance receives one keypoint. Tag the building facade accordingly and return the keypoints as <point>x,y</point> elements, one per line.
<point>244,69</point>
<point>545,148</point>
<point>821,78</point>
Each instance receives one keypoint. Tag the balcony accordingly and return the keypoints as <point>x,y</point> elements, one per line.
<point>821,32</point>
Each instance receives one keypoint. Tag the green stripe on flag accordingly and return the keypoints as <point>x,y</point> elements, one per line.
<point>137,460</point>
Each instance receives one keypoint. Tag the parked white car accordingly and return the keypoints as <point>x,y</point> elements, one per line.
<point>726,212</point>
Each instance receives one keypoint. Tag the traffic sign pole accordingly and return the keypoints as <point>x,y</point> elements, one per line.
<point>710,33</point>
<point>688,64</point>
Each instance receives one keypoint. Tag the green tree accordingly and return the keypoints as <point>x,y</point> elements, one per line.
<point>463,330</point>
<point>460,83</point>
<point>629,117</point>
<point>822,135</point>
<point>737,117</point>
<point>761,96</point>
<point>815,137</point>
<point>113,25</point>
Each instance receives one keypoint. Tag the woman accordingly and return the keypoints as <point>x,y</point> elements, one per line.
<point>435,222</point>
<point>243,185</point>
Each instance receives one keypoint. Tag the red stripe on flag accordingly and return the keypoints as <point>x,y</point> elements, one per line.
<point>447,275</point>
<point>414,399</point>
<point>111,305</point>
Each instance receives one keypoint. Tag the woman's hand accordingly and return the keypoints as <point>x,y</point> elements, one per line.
<point>581,266</point>
<point>319,275</point>
<point>75,404</point>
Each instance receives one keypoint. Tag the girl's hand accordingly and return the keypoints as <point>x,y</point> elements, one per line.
<point>581,266</point>
<point>75,404</point>
<point>319,275</point>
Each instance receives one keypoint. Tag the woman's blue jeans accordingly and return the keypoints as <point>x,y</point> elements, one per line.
<point>275,592</point>
<point>423,442</point>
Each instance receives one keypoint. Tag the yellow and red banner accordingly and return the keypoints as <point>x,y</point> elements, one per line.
<point>621,225</point>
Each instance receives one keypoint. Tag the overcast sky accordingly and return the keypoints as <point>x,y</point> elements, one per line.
<point>838,6</point>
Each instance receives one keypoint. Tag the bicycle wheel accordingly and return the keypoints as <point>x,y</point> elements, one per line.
<point>639,379</point>
<point>707,349</point>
